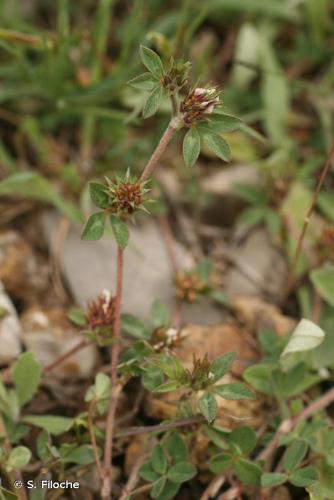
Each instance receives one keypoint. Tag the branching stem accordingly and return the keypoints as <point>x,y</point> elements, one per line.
<point>164,141</point>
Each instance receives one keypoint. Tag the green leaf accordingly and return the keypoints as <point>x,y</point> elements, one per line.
<point>94,227</point>
<point>218,146</point>
<point>53,424</point>
<point>147,472</point>
<point>247,51</point>
<point>159,459</point>
<point>152,103</point>
<point>254,134</point>
<point>220,297</point>
<point>168,387</point>
<point>323,282</point>
<point>176,447</point>
<point>159,314</point>
<point>143,82</point>
<point>181,472</point>
<point>252,216</point>
<point>18,457</point>
<point>220,463</point>
<point>326,204</point>
<point>135,327</point>
<point>9,404</point>
<point>98,194</point>
<point>99,391</point>
<point>158,487</point>
<point>208,406</point>
<point>233,391</point>
<point>152,378</point>
<point>244,438</point>
<point>169,491</point>
<point>43,444</point>
<point>191,147</point>
<point>259,377</point>
<point>304,477</point>
<point>33,186</point>
<point>26,376</point>
<point>294,455</point>
<point>306,336</point>
<point>120,231</point>
<point>270,479</point>
<point>151,61</point>
<point>204,269</point>
<point>251,194</point>
<point>80,455</point>
<point>7,495</point>
<point>222,365</point>
<point>77,316</point>
<point>102,385</point>
<point>224,123</point>
<point>274,84</point>
<point>248,472</point>
<point>273,221</point>
<point>291,383</point>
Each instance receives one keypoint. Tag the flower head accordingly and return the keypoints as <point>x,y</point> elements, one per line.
<point>199,103</point>
<point>176,77</point>
<point>101,312</point>
<point>126,195</point>
<point>200,376</point>
<point>189,286</point>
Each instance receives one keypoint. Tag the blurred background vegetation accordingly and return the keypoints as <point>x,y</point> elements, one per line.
<point>66,113</point>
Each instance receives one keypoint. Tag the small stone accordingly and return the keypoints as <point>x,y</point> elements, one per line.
<point>258,268</point>
<point>10,329</point>
<point>257,314</point>
<point>20,271</point>
<point>49,334</point>
<point>90,267</point>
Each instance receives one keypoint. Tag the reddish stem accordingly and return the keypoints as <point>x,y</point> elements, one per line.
<point>164,141</point>
<point>115,389</point>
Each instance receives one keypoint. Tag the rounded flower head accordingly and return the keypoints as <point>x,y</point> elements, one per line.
<point>198,103</point>
<point>126,195</point>
<point>188,286</point>
<point>101,312</point>
<point>176,77</point>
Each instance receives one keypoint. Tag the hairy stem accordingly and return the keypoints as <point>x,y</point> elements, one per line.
<point>164,141</point>
<point>302,234</point>
<point>115,388</point>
